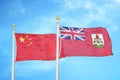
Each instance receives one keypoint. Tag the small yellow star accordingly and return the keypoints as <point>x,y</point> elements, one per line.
<point>30,39</point>
<point>26,36</point>
<point>30,42</point>
<point>28,45</point>
<point>21,39</point>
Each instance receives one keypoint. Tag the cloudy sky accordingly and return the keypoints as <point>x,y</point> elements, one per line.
<point>38,16</point>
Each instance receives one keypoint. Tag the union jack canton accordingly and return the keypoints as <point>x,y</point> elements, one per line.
<point>72,33</point>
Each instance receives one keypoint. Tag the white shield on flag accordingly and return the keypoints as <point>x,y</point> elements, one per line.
<point>97,40</point>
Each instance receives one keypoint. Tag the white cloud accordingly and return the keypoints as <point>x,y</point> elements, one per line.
<point>15,7</point>
<point>88,5</point>
<point>93,13</point>
<point>45,24</point>
<point>72,22</point>
<point>103,14</point>
<point>75,4</point>
<point>71,4</point>
<point>117,1</point>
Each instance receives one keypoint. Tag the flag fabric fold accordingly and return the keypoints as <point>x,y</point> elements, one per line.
<point>85,41</point>
<point>35,46</point>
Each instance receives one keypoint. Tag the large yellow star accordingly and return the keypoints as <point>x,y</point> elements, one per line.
<point>22,39</point>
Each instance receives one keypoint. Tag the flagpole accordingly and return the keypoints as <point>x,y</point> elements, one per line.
<point>13,55</point>
<point>57,47</point>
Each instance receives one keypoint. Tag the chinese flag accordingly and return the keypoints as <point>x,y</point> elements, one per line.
<point>85,41</point>
<point>35,46</point>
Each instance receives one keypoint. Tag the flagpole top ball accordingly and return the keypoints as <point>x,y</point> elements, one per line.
<point>57,17</point>
<point>13,25</point>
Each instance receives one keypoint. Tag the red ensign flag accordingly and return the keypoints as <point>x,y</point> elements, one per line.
<point>85,41</point>
<point>35,46</point>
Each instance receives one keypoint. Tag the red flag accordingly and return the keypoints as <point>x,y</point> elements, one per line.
<point>35,46</point>
<point>85,41</point>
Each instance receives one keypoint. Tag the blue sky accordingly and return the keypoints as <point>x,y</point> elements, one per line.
<point>38,16</point>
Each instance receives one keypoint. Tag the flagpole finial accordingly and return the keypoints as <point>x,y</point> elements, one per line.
<point>13,25</point>
<point>57,18</point>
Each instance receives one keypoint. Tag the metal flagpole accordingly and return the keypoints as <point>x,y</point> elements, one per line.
<point>13,55</point>
<point>57,48</point>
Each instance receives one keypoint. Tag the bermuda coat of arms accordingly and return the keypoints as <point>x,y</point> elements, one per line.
<point>97,40</point>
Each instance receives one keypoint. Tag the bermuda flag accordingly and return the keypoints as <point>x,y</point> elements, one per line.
<point>85,41</point>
